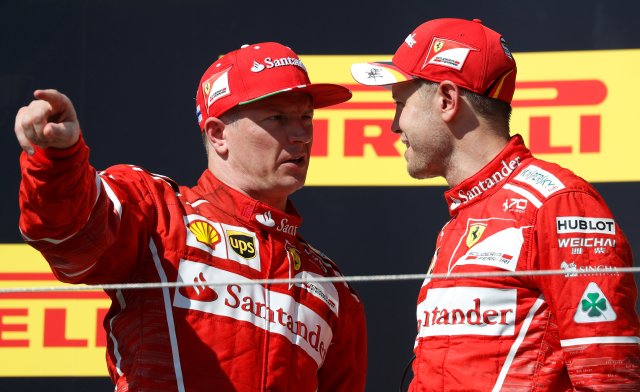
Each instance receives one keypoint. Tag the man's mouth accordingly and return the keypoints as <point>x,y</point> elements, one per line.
<point>298,161</point>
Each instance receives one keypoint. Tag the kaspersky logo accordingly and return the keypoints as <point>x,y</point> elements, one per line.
<point>594,306</point>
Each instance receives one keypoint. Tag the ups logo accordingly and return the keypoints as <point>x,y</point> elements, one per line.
<point>242,243</point>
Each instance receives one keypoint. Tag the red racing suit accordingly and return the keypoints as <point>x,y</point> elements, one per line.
<point>128,225</point>
<point>528,333</point>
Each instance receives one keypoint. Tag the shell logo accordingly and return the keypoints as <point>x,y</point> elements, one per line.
<point>205,233</point>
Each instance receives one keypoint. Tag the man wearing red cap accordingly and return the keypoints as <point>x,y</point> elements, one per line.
<point>453,81</point>
<point>255,108</point>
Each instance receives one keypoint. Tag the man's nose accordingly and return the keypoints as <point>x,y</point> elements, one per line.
<point>395,124</point>
<point>301,132</point>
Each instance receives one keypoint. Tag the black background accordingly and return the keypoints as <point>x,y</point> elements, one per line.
<point>131,68</point>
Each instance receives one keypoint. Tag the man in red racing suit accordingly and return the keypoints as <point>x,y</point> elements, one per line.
<point>453,81</point>
<point>521,333</point>
<point>125,224</point>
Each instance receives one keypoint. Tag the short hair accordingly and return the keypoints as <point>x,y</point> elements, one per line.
<point>229,118</point>
<point>494,110</point>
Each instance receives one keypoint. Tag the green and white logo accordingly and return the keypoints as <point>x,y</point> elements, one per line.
<point>594,306</point>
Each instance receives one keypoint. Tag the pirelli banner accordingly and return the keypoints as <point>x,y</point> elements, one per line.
<point>573,108</point>
<point>47,333</point>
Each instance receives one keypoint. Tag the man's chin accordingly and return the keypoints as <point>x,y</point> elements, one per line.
<point>292,183</point>
<point>420,174</point>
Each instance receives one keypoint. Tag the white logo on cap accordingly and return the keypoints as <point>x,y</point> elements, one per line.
<point>275,63</point>
<point>410,40</point>
<point>257,67</point>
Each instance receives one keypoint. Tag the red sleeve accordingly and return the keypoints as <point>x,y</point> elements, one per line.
<point>89,227</point>
<point>345,366</point>
<point>595,312</point>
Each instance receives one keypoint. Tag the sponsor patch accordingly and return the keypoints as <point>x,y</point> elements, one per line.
<point>467,311</point>
<point>594,306</point>
<point>242,246</point>
<point>500,250</point>
<point>216,87</point>
<point>447,53</point>
<point>269,63</point>
<point>578,224</point>
<point>242,243</point>
<point>587,270</point>
<point>468,194</point>
<point>541,180</point>
<point>205,232</point>
<point>286,228</point>
<point>326,291</point>
<point>269,310</point>
<point>266,219</point>
<point>475,232</point>
<point>515,205</point>
<point>205,235</point>
<point>294,258</point>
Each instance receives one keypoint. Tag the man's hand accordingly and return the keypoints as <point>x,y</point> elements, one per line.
<point>48,121</point>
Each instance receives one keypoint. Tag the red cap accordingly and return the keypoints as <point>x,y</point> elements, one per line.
<point>257,71</point>
<point>465,52</point>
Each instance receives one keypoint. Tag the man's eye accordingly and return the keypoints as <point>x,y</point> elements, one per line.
<point>277,117</point>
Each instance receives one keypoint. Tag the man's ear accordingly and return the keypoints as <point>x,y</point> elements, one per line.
<point>214,129</point>
<point>449,94</point>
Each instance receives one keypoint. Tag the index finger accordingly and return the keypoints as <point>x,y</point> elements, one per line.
<point>60,103</point>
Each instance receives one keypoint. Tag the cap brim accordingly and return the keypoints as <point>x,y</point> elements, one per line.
<point>379,73</point>
<point>322,94</point>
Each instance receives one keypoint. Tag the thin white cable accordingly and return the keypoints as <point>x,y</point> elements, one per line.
<point>358,278</point>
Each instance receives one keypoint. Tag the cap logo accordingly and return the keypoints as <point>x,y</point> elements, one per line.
<point>257,67</point>
<point>270,63</point>
<point>216,87</point>
<point>447,53</point>
<point>410,40</point>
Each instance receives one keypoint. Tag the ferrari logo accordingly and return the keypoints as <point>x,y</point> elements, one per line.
<point>206,87</point>
<point>475,232</point>
<point>438,45</point>
<point>294,256</point>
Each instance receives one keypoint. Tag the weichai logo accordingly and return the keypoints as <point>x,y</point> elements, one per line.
<point>571,118</point>
<point>242,243</point>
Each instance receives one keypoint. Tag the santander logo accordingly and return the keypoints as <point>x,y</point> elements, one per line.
<point>467,311</point>
<point>244,301</point>
<point>199,292</point>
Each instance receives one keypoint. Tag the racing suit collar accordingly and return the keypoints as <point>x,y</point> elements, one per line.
<point>489,178</point>
<point>252,212</point>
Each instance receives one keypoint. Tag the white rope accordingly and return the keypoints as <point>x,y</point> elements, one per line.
<point>360,278</point>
